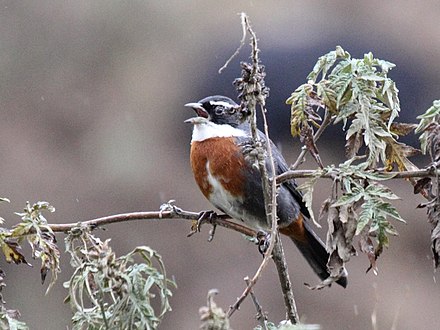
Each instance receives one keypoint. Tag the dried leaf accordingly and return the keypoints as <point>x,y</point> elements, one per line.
<point>422,184</point>
<point>398,153</point>
<point>12,251</point>
<point>366,246</point>
<point>433,141</point>
<point>299,102</point>
<point>402,129</point>
<point>324,208</point>
<point>327,95</point>
<point>307,189</point>
<point>353,144</point>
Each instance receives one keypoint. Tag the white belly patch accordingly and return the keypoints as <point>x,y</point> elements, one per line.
<point>220,197</point>
<point>231,205</point>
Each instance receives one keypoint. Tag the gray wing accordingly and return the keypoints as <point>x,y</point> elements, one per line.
<point>289,199</point>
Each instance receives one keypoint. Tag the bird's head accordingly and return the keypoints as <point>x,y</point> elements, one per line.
<point>217,116</point>
<point>220,110</point>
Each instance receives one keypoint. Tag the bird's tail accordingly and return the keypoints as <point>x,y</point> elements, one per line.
<point>311,247</point>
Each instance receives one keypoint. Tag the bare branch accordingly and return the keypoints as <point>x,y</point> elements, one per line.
<point>242,42</point>
<point>176,213</point>
<point>260,314</point>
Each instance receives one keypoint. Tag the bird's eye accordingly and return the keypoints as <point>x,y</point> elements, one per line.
<point>219,110</point>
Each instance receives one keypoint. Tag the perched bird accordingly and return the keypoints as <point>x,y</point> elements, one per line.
<point>227,176</point>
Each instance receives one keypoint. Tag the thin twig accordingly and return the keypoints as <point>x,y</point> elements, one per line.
<point>242,42</point>
<point>260,314</point>
<point>327,120</point>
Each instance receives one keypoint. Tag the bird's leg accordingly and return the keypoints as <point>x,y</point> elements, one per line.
<point>263,241</point>
<point>204,216</point>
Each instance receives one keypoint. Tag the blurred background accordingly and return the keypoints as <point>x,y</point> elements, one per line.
<point>91,120</point>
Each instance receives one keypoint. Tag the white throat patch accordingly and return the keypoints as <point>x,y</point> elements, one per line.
<point>206,129</point>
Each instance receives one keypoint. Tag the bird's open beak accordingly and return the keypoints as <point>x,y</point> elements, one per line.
<point>202,114</point>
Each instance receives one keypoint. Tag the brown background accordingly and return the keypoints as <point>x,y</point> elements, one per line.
<point>91,119</point>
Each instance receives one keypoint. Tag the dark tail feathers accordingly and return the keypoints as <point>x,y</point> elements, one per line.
<point>313,250</point>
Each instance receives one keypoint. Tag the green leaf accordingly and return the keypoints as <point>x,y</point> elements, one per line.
<point>380,191</point>
<point>365,216</point>
<point>350,198</point>
<point>388,209</point>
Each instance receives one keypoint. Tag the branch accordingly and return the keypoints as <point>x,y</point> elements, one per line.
<point>288,175</point>
<point>172,212</point>
<point>253,93</point>
<point>260,314</point>
<point>286,285</point>
<point>242,42</point>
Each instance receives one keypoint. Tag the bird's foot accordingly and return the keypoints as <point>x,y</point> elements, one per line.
<point>263,241</point>
<point>204,216</point>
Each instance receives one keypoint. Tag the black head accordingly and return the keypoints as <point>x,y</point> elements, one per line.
<point>220,110</point>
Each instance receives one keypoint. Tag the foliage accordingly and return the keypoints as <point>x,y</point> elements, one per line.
<point>105,291</point>
<point>358,206</point>
<point>358,93</point>
<point>429,126</point>
<point>41,238</point>
<point>35,230</point>
<point>109,292</point>
<point>428,121</point>
<point>39,235</point>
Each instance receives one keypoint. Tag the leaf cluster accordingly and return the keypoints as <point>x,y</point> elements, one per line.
<point>429,126</point>
<point>110,292</point>
<point>359,94</point>
<point>359,206</point>
<point>34,229</point>
<point>429,121</point>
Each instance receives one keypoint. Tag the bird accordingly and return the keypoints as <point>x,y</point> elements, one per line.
<point>226,173</point>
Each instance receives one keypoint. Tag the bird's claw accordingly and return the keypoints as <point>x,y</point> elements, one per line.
<point>263,241</point>
<point>204,216</point>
